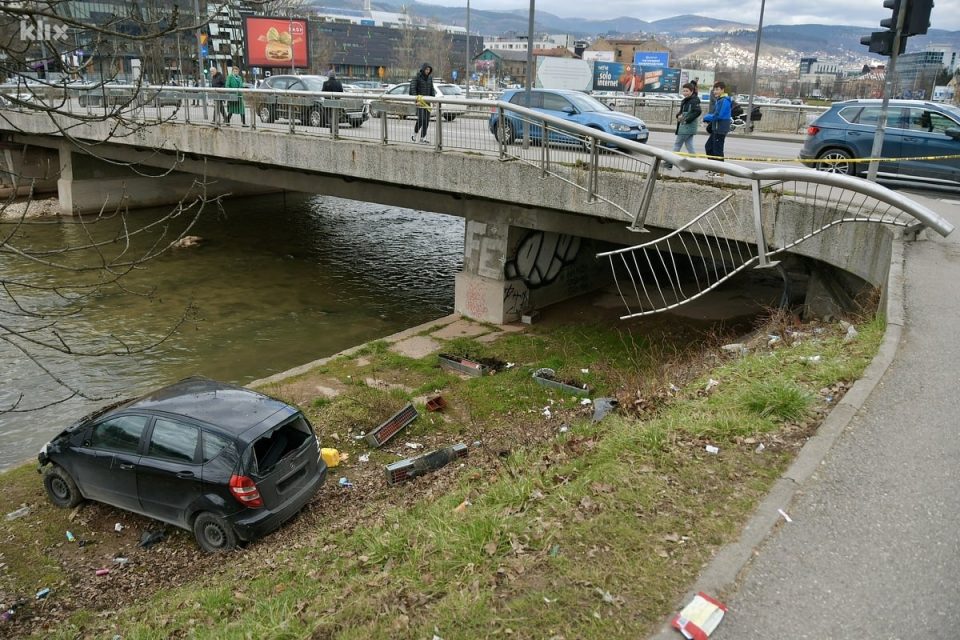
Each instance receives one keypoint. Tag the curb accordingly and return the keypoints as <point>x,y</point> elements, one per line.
<point>721,574</point>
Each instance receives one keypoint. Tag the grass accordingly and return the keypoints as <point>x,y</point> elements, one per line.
<point>589,532</point>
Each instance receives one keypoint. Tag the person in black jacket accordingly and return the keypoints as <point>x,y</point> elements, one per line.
<point>333,85</point>
<point>217,81</point>
<point>686,118</point>
<point>422,85</point>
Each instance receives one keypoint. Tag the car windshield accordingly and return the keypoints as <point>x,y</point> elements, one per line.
<point>585,103</point>
<point>951,110</point>
<point>313,84</point>
<point>450,90</point>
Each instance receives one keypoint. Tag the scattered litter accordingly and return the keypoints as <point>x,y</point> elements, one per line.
<point>603,406</point>
<point>102,572</point>
<point>548,600</point>
<point>711,385</point>
<point>811,358</point>
<point>477,443</point>
<point>364,458</point>
<point>735,347</point>
<point>345,483</point>
<point>584,370</point>
<point>413,467</point>
<point>330,456</point>
<point>344,457</point>
<point>436,403</point>
<point>586,401</point>
<point>699,618</point>
<point>151,537</point>
<point>530,318</point>
<point>608,597</point>
<point>436,637</point>
<point>546,377</point>
<point>564,428</point>
<point>43,593</point>
<point>555,551</point>
<point>674,388</point>
<point>546,412</point>
<point>19,513</point>
<point>70,537</point>
<point>121,561</point>
<point>460,508</point>
<point>772,340</point>
<point>118,527</point>
<point>759,448</point>
<point>712,449</point>
<point>784,514</point>
<point>413,445</point>
<point>852,334</point>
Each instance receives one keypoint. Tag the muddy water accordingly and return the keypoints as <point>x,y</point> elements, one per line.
<point>277,282</point>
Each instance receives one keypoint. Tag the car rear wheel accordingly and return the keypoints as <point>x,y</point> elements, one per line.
<point>315,118</point>
<point>836,161</point>
<point>213,533</point>
<point>61,488</point>
<point>266,114</point>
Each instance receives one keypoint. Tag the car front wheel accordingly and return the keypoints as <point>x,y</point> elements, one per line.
<point>61,488</point>
<point>835,161</point>
<point>266,114</point>
<point>315,118</point>
<point>213,533</point>
<point>449,117</point>
<point>505,135</point>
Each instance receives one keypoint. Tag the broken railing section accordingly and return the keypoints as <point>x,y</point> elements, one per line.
<point>683,265</point>
<point>419,465</point>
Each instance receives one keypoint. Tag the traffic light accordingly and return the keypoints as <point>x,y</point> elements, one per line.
<point>917,20</point>
<point>882,42</point>
<point>891,22</point>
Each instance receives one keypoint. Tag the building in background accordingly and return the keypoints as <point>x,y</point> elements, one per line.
<point>917,72</point>
<point>513,41</point>
<point>625,51</point>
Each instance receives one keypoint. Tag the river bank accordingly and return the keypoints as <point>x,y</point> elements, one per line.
<point>553,526</point>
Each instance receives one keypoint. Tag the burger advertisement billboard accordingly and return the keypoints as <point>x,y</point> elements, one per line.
<point>276,42</point>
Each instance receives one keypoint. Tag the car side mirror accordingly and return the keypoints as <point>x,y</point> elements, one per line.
<point>953,132</point>
<point>570,111</point>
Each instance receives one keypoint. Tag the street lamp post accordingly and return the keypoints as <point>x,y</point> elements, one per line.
<point>466,58</point>
<point>529,89</point>
<point>753,78</point>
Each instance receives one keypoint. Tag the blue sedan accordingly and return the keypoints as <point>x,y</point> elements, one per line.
<point>572,106</point>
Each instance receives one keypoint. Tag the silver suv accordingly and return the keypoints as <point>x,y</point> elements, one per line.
<point>309,111</point>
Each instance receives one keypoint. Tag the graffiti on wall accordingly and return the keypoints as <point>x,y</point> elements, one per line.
<point>540,257</point>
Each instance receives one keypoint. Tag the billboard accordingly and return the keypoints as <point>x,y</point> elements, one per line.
<point>632,78</point>
<point>275,42</point>
<point>651,59</point>
<point>705,79</point>
<point>563,73</point>
<point>601,56</point>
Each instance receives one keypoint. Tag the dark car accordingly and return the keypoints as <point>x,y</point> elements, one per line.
<point>308,110</point>
<point>917,132</point>
<point>225,462</point>
<point>573,106</point>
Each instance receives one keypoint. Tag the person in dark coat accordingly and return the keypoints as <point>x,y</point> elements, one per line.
<point>217,81</point>
<point>686,118</point>
<point>422,85</point>
<point>333,85</point>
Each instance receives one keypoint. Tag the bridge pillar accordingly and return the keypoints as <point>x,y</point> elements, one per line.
<point>89,185</point>
<point>481,290</point>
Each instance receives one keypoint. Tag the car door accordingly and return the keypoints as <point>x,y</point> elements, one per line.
<point>169,476</point>
<point>558,106</point>
<point>108,458</point>
<point>927,147</point>
<point>859,136</point>
<point>279,83</point>
<point>516,121</point>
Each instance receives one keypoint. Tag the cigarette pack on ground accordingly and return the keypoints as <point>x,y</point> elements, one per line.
<point>698,619</point>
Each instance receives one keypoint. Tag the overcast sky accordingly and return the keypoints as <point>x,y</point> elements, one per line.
<point>865,13</point>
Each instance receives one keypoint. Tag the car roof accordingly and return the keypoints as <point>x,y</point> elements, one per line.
<point>894,102</point>
<point>234,409</point>
<point>564,92</point>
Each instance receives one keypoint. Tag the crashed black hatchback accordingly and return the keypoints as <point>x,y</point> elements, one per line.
<point>225,462</point>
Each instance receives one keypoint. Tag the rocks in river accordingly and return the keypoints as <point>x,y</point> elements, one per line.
<point>187,241</point>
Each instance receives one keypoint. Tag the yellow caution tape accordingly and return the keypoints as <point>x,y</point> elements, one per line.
<point>814,160</point>
<point>423,104</point>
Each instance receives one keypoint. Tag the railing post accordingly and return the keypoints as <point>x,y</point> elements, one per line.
<point>186,106</point>
<point>501,131</point>
<point>383,126</point>
<point>334,123</point>
<point>758,228</point>
<point>543,150</point>
<point>648,186</point>
<point>438,142</point>
<point>291,115</point>
<point>594,165</point>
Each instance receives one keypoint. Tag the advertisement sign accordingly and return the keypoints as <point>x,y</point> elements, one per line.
<point>632,78</point>
<point>651,59</point>
<point>276,42</point>
<point>598,56</point>
<point>704,79</point>
<point>563,73</point>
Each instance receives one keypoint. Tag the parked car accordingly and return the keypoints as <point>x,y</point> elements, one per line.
<point>225,462</point>
<point>404,110</point>
<point>915,129</point>
<point>309,111</point>
<point>572,106</point>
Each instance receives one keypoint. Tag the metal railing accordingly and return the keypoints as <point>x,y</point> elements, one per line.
<point>607,168</point>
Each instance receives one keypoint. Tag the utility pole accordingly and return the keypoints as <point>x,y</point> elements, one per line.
<point>753,78</point>
<point>529,89</point>
<point>466,60</point>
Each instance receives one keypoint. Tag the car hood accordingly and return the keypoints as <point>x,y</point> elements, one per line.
<point>614,118</point>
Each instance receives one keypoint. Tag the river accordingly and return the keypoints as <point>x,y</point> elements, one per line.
<point>277,281</point>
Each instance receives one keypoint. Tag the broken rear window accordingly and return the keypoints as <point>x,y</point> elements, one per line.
<point>272,447</point>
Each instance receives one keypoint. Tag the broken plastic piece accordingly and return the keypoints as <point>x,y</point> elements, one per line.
<point>70,537</point>
<point>118,527</point>
<point>436,403</point>
<point>121,561</point>
<point>603,406</point>
<point>345,483</point>
<point>712,449</point>
<point>699,618</point>
<point>460,508</point>
<point>379,436</point>
<point>364,458</point>
<point>759,448</point>
<point>711,385</point>
<point>330,456</point>
<point>784,514</point>
<point>151,537</point>
<point>19,513</point>
<point>419,465</point>
<point>43,593</point>
<point>413,445</point>
<point>102,572</point>
<point>586,401</point>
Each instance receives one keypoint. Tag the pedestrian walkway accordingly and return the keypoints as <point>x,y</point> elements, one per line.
<point>873,549</point>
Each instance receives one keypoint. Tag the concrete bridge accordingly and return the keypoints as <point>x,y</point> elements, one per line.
<point>536,217</point>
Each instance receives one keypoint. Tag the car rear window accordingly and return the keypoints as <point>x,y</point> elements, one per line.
<point>272,447</point>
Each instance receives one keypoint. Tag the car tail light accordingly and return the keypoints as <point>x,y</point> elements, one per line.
<point>245,491</point>
<point>812,130</point>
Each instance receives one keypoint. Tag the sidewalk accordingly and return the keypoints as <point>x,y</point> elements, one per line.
<point>873,549</point>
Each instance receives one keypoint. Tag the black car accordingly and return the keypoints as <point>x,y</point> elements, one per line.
<point>225,462</point>
<point>309,111</point>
